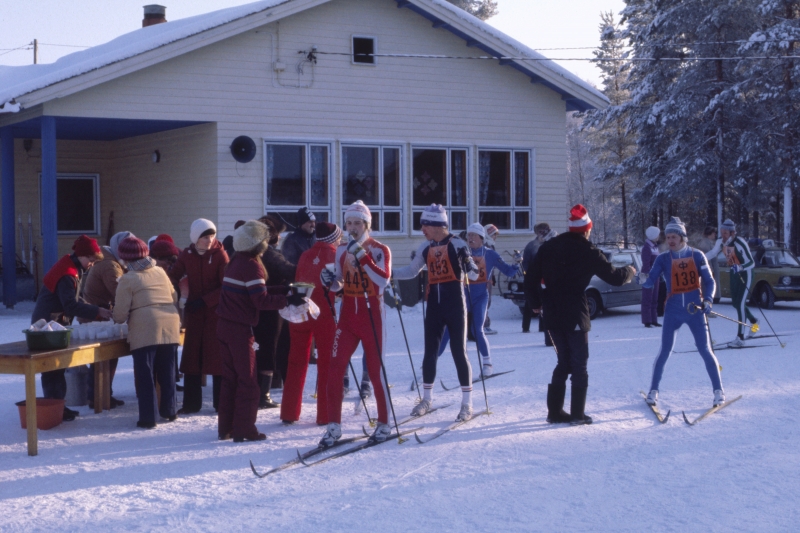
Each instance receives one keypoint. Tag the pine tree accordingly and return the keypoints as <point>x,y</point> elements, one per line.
<point>483,9</point>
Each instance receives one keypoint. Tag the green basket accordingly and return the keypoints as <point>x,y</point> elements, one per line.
<point>47,340</point>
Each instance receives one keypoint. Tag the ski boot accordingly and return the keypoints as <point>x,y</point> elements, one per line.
<point>652,398</point>
<point>421,408</point>
<point>719,397</point>
<point>465,413</point>
<point>381,433</point>
<point>332,434</point>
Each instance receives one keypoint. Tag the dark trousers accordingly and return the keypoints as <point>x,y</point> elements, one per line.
<point>112,365</point>
<point>527,315</point>
<point>238,401</point>
<point>453,316</point>
<point>54,384</point>
<point>193,391</point>
<point>573,356</point>
<point>158,360</point>
<point>267,334</point>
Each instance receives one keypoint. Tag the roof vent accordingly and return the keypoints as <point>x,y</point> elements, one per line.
<point>154,14</point>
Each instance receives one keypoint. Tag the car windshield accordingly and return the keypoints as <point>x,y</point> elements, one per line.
<point>621,260</point>
<point>779,258</point>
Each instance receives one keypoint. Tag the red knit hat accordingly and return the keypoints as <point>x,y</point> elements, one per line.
<point>163,249</point>
<point>165,237</point>
<point>132,249</point>
<point>579,221</point>
<point>328,233</point>
<point>87,247</point>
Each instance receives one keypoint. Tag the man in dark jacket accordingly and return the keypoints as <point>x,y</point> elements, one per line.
<point>555,285</point>
<point>302,238</point>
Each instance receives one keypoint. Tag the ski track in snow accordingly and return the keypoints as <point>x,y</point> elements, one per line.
<point>510,471</point>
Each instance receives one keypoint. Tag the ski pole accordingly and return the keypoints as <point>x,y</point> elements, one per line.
<point>758,303</point>
<point>403,327</point>
<point>693,308</point>
<point>353,370</point>
<point>364,282</point>
<point>475,334</point>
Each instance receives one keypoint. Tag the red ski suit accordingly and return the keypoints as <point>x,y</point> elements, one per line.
<point>355,325</point>
<point>309,267</point>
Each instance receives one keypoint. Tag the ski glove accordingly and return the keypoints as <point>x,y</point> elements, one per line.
<point>296,300</point>
<point>706,307</point>
<point>354,248</point>
<point>736,269</point>
<point>642,278</point>
<point>195,305</point>
<point>327,277</point>
<point>472,269</point>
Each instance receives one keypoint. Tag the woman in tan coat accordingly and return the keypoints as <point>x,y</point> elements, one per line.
<point>146,300</point>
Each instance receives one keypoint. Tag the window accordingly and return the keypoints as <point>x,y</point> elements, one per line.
<point>439,176</point>
<point>77,204</point>
<point>372,174</point>
<point>297,175</point>
<point>504,189</point>
<point>363,50</point>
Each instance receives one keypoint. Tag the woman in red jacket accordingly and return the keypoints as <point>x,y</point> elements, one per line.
<point>309,268</point>
<point>203,262</point>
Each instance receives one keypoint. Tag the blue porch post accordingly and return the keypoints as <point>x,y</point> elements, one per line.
<point>49,217</point>
<point>9,214</point>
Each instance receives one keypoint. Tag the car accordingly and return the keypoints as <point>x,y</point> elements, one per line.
<point>776,275</point>
<point>599,294</point>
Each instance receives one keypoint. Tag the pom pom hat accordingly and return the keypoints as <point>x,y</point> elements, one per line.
<point>328,233</point>
<point>358,210</point>
<point>304,215</point>
<point>477,229</point>
<point>652,233</point>
<point>201,227</point>
<point>163,248</point>
<point>675,226</point>
<point>434,215</point>
<point>132,249</point>
<point>579,221</point>
<point>87,247</point>
<point>728,225</point>
<point>249,235</point>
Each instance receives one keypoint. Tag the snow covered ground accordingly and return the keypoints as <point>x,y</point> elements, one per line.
<point>510,471</point>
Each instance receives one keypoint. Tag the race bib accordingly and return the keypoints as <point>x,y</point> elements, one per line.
<point>685,277</point>
<point>440,270</point>
<point>356,284</point>
<point>480,262</point>
<point>730,255</point>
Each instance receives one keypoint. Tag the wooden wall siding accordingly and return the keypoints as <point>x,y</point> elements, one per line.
<point>475,103</point>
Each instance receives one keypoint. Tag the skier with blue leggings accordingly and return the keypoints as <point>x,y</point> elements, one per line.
<point>690,288</point>
<point>477,292</point>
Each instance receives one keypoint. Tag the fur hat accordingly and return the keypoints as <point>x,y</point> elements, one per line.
<point>249,235</point>
<point>117,238</point>
<point>238,224</point>
<point>200,228</point>
<point>163,247</point>
<point>728,225</point>
<point>434,215</point>
<point>542,228</point>
<point>276,227</point>
<point>652,233</point>
<point>579,221</point>
<point>328,233</point>
<point>87,247</point>
<point>304,215</point>
<point>358,210</point>
<point>477,229</point>
<point>132,249</point>
<point>675,226</point>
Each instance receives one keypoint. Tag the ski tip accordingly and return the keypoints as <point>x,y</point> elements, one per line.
<point>685,418</point>
<point>300,457</point>
<point>253,468</point>
<point>419,440</point>
<point>666,417</point>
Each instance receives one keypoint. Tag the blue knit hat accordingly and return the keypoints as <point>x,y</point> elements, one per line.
<point>434,215</point>
<point>675,226</point>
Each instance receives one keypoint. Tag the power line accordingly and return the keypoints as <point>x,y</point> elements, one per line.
<point>525,58</point>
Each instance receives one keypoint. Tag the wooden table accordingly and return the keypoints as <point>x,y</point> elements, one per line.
<point>15,358</point>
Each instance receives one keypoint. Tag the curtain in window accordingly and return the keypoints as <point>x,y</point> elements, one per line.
<point>319,175</point>
<point>484,176</point>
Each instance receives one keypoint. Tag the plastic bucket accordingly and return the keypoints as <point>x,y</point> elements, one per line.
<point>77,385</point>
<point>49,413</point>
<point>47,340</point>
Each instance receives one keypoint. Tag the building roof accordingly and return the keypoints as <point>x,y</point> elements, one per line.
<point>18,81</point>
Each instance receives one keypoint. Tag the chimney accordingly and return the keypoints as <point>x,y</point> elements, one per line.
<point>154,14</point>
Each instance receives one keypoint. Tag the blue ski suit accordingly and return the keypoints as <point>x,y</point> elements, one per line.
<point>676,313</point>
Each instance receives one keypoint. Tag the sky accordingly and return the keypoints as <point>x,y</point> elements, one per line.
<point>75,24</point>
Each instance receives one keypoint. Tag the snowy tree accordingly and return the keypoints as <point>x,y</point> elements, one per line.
<point>483,9</point>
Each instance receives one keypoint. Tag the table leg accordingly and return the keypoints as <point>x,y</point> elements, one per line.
<point>106,385</point>
<point>98,387</point>
<point>30,408</point>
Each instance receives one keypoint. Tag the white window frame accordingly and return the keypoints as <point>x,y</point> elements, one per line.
<point>513,209</point>
<point>96,191</point>
<point>402,209</point>
<point>353,50</point>
<point>328,209</point>
<point>469,208</point>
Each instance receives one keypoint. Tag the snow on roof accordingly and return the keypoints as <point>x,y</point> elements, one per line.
<point>517,46</point>
<point>19,80</point>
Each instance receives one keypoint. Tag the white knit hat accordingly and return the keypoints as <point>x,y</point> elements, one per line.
<point>358,210</point>
<point>249,235</point>
<point>434,215</point>
<point>675,226</point>
<point>200,226</point>
<point>477,229</point>
<point>652,233</point>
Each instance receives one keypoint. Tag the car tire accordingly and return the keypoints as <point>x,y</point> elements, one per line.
<point>595,304</point>
<point>765,298</point>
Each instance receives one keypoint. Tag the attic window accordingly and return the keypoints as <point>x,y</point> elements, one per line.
<point>363,50</point>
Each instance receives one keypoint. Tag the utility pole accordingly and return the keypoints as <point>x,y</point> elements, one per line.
<point>35,51</point>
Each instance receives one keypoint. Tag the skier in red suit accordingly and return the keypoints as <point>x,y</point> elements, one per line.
<point>362,270</point>
<point>309,268</point>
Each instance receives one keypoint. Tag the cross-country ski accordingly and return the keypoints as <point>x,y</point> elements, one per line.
<point>476,380</point>
<point>710,411</point>
<point>449,427</point>
<point>392,437</point>
<point>661,418</point>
